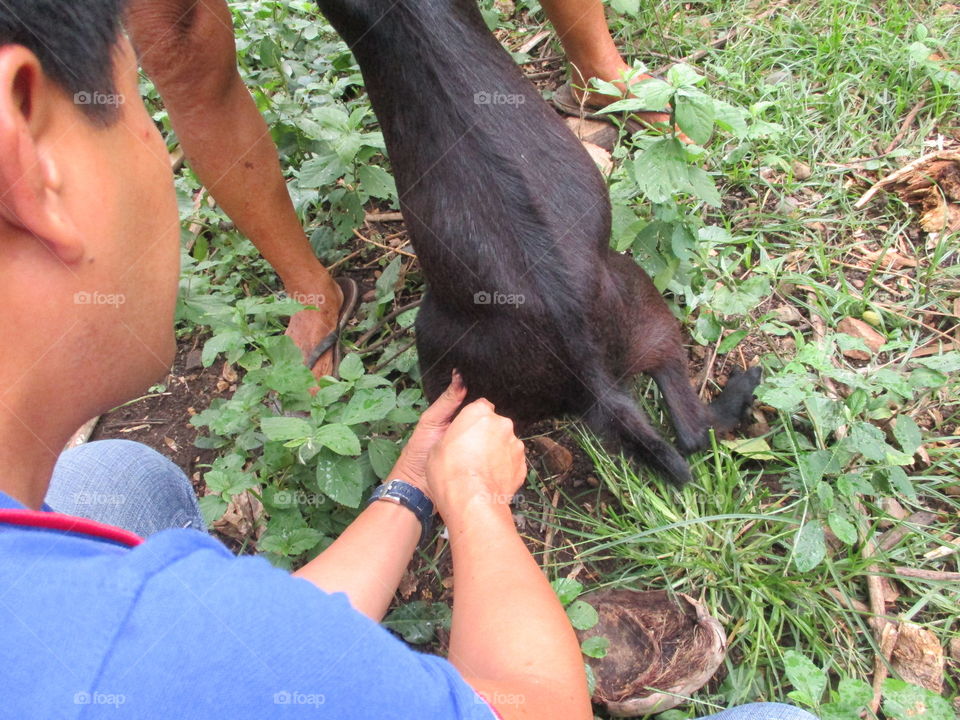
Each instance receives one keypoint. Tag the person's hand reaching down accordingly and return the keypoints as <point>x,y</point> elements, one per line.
<point>479,461</point>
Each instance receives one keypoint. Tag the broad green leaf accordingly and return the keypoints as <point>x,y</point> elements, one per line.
<point>946,363</point>
<point>369,405</point>
<point>582,615</point>
<point>901,482</point>
<point>351,368</point>
<point>339,438</point>
<point>842,528</point>
<point>270,54</point>
<point>377,182</point>
<point>907,433</point>
<point>340,479</point>
<point>387,282</point>
<point>683,75</point>
<point>383,456</point>
<point>302,540</point>
<point>212,507</point>
<point>731,341</point>
<point>661,170</point>
<point>754,448</point>
<point>854,485</point>
<point>418,621</point>
<point>708,328</point>
<point>695,113</point>
<point>567,590</point>
<point>321,171</point>
<point>918,52</point>
<point>651,94</point>
<point>854,693</point>
<point>626,7</point>
<point>703,186</point>
<point>903,701</point>
<point>869,441</point>
<point>810,547</point>
<point>595,647</point>
<point>784,393</point>
<point>282,429</point>
<point>808,680</point>
<point>741,299</point>
<point>221,342</point>
<point>730,118</point>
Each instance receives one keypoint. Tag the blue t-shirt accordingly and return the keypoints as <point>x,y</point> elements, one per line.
<point>178,628</point>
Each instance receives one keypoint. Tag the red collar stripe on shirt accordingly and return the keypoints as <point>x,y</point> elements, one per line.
<point>70,524</point>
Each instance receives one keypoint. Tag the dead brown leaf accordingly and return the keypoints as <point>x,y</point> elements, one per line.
<point>859,329</point>
<point>240,521</point>
<point>918,657</point>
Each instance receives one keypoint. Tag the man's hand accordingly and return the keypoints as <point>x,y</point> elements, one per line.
<point>479,460</point>
<point>412,464</point>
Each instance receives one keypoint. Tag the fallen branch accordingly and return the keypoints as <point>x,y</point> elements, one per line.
<point>548,516</point>
<point>367,336</point>
<point>892,537</point>
<point>905,170</point>
<point>398,251</point>
<point>881,665</point>
<point>884,631</point>
<point>393,357</point>
<point>939,575</point>
<point>908,121</point>
<point>383,217</point>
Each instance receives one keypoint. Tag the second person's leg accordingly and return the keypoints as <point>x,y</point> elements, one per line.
<point>187,48</point>
<point>581,26</point>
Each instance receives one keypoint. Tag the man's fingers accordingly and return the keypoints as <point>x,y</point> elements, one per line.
<point>446,406</point>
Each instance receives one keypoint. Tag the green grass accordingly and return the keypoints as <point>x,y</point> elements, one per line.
<point>747,535</point>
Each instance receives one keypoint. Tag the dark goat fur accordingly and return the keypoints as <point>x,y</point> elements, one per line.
<point>502,200</point>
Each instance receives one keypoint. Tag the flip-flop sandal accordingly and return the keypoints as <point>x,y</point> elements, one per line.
<point>350,295</point>
<point>566,102</point>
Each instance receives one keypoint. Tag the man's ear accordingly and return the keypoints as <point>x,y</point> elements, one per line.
<point>31,184</point>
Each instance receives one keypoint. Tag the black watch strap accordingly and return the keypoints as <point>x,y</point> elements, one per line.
<point>412,498</point>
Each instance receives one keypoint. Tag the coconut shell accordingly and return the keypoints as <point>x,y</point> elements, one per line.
<point>662,650</point>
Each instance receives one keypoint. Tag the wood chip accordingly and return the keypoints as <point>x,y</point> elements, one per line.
<point>601,157</point>
<point>556,458</point>
<point>534,41</point>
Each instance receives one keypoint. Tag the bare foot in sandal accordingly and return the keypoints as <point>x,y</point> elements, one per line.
<point>596,101</point>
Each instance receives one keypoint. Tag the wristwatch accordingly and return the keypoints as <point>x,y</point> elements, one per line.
<point>412,498</point>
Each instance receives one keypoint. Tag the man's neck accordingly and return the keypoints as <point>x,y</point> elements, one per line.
<point>29,448</point>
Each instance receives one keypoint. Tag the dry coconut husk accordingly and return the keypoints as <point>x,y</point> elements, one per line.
<point>662,649</point>
<point>931,184</point>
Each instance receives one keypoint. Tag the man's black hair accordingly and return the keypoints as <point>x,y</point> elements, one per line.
<point>74,41</point>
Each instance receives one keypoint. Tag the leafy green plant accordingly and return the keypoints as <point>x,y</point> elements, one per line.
<point>667,172</point>
<point>417,621</point>
<point>901,700</point>
<point>583,616</point>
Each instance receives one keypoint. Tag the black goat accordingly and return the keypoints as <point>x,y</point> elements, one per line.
<point>510,219</point>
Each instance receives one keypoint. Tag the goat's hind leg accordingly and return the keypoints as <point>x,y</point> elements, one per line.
<point>692,419</point>
<point>657,348</point>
